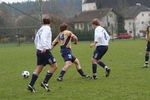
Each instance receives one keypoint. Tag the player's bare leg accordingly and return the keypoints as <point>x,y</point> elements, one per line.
<point>65,68</point>
<point>38,69</point>
<point>79,69</point>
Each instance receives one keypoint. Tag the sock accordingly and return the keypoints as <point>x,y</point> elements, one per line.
<point>81,72</point>
<point>146,58</point>
<point>62,73</point>
<point>102,64</point>
<point>94,68</point>
<point>47,77</point>
<point>34,78</point>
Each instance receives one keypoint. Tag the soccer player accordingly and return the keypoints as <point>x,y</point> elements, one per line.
<point>64,39</point>
<point>43,45</point>
<point>101,39</point>
<point>148,47</point>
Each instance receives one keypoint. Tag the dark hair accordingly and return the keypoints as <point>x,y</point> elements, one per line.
<point>46,21</point>
<point>63,27</point>
<point>96,22</point>
<point>148,28</point>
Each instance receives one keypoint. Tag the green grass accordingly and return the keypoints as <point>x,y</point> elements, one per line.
<point>128,80</point>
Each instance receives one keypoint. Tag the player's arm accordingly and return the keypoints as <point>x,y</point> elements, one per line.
<point>93,44</point>
<point>55,42</point>
<point>74,37</point>
<point>148,36</point>
<point>96,37</point>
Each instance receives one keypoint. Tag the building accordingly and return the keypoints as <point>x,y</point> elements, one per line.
<point>107,17</point>
<point>88,5</point>
<point>136,19</point>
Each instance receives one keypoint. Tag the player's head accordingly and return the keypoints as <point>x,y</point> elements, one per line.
<point>95,23</point>
<point>63,27</point>
<point>46,21</point>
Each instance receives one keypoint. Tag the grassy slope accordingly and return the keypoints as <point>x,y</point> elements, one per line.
<point>128,81</point>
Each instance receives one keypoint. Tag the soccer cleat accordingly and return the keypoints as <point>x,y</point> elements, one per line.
<point>59,79</point>
<point>146,65</point>
<point>94,77</point>
<point>87,76</point>
<point>32,89</point>
<point>45,86</point>
<point>107,72</point>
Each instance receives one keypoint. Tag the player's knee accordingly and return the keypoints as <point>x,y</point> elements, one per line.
<point>94,60</point>
<point>69,64</point>
<point>147,52</point>
<point>77,62</point>
<point>55,67</point>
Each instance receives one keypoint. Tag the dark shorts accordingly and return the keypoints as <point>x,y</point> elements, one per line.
<point>67,55</point>
<point>148,46</point>
<point>45,58</point>
<point>100,52</point>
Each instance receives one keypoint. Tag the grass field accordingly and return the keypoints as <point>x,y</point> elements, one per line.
<point>128,80</point>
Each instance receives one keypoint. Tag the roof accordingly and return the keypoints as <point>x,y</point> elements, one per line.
<point>88,16</point>
<point>89,1</point>
<point>133,11</point>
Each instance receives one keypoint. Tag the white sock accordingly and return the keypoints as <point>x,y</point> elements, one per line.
<point>106,67</point>
<point>146,62</point>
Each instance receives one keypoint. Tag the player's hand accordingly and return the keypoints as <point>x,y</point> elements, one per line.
<point>75,42</point>
<point>92,45</point>
<point>52,47</point>
<point>44,51</point>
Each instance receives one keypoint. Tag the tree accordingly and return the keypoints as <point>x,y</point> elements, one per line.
<point>121,24</point>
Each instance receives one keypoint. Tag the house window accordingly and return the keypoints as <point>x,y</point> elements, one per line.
<point>149,22</point>
<point>82,26</point>
<point>149,14</point>
<point>129,23</point>
<point>142,22</point>
<point>130,31</point>
<point>110,15</point>
<point>76,26</point>
<point>142,14</point>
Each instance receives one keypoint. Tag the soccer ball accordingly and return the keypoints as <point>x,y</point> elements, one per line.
<point>25,74</point>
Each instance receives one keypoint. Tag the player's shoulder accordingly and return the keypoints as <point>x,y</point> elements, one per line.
<point>46,27</point>
<point>67,32</point>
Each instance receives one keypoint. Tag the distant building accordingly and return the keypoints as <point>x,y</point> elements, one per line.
<point>107,17</point>
<point>137,18</point>
<point>88,5</point>
<point>1,13</point>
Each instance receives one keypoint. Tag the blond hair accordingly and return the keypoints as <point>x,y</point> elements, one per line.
<point>96,22</point>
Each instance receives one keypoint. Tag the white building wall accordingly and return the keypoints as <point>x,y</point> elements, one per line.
<point>129,24</point>
<point>110,22</point>
<point>139,24</point>
<point>142,20</point>
<point>89,6</point>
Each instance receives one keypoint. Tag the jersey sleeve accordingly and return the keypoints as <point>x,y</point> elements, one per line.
<point>55,41</point>
<point>97,35</point>
<point>69,34</point>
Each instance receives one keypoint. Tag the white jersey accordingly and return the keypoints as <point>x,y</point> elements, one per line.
<point>43,38</point>
<point>101,36</point>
